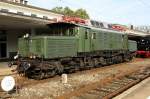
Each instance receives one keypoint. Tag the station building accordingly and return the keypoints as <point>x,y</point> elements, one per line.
<point>18,18</point>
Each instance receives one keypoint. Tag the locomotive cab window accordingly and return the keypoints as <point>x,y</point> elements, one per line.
<point>62,29</point>
<point>71,32</point>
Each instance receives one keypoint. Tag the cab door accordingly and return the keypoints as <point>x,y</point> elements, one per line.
<point>87,40</point>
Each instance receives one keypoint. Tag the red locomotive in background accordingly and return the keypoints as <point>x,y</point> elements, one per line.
<point>143,48</point>
<point>142,53</point>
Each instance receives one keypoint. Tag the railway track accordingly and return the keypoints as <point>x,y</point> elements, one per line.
<point>112,88</point>
<point>4,95</point>
<point>105,88</point>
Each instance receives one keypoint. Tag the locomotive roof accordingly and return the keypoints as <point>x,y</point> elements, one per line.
<point>85,26</point>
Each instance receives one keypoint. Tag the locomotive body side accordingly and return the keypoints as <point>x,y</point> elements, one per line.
<point>109,40</point>
<point>132,46</point>
<point>78,48</point>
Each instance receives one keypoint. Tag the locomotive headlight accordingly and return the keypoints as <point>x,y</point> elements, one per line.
<point>15,57</point>
<point>31,56</point>
<point>34,57</point>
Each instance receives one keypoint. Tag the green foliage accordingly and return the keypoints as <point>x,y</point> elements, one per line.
<point>58,10</point>
<point>82,13</point>
<point>67,11</point>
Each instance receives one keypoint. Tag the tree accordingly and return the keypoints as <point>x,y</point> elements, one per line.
<point>67,11</point>
<point>82,14</point>
<point>58,10</point>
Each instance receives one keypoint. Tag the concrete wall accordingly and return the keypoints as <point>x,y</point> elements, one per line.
<point>12,40</point>
<point>13,24</point>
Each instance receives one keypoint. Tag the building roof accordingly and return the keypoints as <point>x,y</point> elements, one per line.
<point>29,6</point>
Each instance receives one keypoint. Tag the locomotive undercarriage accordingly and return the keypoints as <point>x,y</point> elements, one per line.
<point>40,68</point>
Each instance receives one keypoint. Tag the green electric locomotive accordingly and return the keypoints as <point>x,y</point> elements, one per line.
<point>71,47</point>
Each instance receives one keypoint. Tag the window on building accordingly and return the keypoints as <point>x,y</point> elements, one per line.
<point>4,10</point>
<point>92,22</point>
<point>109,26</point>
<point>3,36</point>
<point>33,15</point>
<point>97,24</point>
<point>20,13</point>
<point>101,25</point>
<point>45,17</point>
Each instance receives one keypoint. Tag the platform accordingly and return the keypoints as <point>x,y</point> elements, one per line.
<point>139,91</point>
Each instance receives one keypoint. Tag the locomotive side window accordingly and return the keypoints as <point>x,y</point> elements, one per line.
<point>86,34</point>
<point>94,35</point>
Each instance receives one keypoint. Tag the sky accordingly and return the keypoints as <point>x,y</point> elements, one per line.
<point>127,12</point>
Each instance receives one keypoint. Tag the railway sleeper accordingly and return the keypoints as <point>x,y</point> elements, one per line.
<point>125,80</point>
<point>107,89</point>
<point>137,77</point>
<point>90,96</point>
<point>95,95</point>
<point>93,92</point>
<point>121,82</point>
<point>113,88</point>
<point>101,93</point>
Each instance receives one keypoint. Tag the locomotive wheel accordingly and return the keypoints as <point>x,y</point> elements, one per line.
<point>82,65</point>
<point>41,75</point>
<point>38,76</point>
<point>127,58</point>
<point>59,68</point>
<point>35,73</point>
<point>51,73</point>
<point>102,61</point>
<point>96,62</point>
<point>90,63</point>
